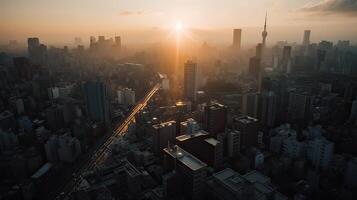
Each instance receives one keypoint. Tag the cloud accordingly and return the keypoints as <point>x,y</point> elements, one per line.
<point>130,12</point>
<point>332,7</point>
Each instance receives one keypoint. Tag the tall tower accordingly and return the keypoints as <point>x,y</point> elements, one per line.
<point>265,33</point>
<point>237,36</point>
<point>190,80</point>
<point>306,40</point>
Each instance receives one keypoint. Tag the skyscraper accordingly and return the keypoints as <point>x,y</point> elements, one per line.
<point>237,37</point>
<point>306,40</point>
<point>190,80</point>
<point>268,108</point>
<point>248,129</point>
<point>215,118</point>
<point>265,33</point>
<point>286,59</point>
<point>162,134</point>
<point>250,104</point>
<point>36,51</point>
<point>118,41</point>
<point>95,93</point>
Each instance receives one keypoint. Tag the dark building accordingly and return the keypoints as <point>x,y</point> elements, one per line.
<point>95,93</point>
<point>254,67</point>
<point>191,170</point>
<point>215,118</point>
<point>190,80</point>
<point>202,146</point>
<point>163,134</point>
<point>248,128</point>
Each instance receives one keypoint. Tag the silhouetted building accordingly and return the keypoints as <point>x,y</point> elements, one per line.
<point>203,146</point>
<point>193,172</point>
<point>254,67</point>
<point>248,128</point>
<point>162,135</point>
<point>190,80</point>
<point>268,108</point>
<point>215,118</point>
<point>300,107</point>
<point>250,104</point>
<point>237,37</point>
<point>95,93</point>
<point>285,63</point>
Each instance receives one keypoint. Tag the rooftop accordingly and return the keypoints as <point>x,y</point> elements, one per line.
<point>212,141</point>
<point>246,119</point>
<point>185,137</point>
<point>185,158</point>
<point>164,124</point>
<point>230,183</point>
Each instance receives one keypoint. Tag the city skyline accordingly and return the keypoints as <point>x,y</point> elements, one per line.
<point>138,21</point>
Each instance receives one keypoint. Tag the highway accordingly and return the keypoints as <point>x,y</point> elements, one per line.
<point>100,153</point>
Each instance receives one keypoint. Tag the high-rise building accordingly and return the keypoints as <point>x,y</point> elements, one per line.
<point>250,104</point>
<point>190,126</point>
<point>268,108</point>
<point>300,106</point>
<point>265,33</point>
<point>63,148</point>
<point>215,118</point>
<point>118,41</point>
<point>126,96</point>
<point>286,59</point>
<point>202,146</point>
<point>162,135</point>
<point>36,51</point>
<point>192,171</point>
<point>95,93</point>
<point>237,37</point>
<point>233,143</point>
<point>254,67</point>
<point>190,80</point>
<point>306,40</point>
<point>320,152</point>
<point>248,128</point>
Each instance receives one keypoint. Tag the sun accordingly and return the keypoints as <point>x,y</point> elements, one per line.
<point>178,27</point>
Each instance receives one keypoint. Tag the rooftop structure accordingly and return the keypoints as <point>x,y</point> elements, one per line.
<point>185,158</point>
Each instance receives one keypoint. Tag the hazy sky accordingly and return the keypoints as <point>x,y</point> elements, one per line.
<point>137,20</point>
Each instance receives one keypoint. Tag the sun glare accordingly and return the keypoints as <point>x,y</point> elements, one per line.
<point>178,27</point>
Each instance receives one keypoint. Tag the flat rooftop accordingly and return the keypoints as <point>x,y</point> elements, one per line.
<point>161,125</point>
<point>232,183</point>
<point>185,158</point>
<point>246,119</point>
<point>185,137</point>
<point>212,141</point>
<point>216,106</point>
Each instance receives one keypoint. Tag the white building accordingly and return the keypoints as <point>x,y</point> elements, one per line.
<point>320,152</point>
<point>233,143</point>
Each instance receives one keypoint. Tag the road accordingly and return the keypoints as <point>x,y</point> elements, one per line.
<point>100,154</point>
